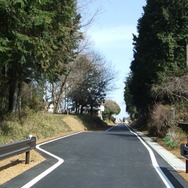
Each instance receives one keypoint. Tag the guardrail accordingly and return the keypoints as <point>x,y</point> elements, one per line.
<point>184,153</point>
<point>15,148</point>
<point>182,123</point>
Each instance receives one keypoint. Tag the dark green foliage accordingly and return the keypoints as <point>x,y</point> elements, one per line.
<point>159,51</point>
<point>37,38</point>
<point>128,97</point>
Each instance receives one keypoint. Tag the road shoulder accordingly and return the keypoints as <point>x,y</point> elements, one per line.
<point>177,164</point>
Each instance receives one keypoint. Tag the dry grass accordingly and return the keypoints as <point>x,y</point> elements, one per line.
<point>161,118</point>
<point>44,127</point>
<point>40,124</point>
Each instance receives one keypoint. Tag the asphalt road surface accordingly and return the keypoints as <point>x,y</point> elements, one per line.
<point>113,159</point>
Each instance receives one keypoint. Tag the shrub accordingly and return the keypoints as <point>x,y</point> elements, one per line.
<point>174,137</point>
<point>169,142</point>
<point>161,119</point>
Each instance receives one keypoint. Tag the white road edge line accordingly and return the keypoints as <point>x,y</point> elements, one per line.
<point>111,128</point>
<point>154,162</point>
<point>49,170</point>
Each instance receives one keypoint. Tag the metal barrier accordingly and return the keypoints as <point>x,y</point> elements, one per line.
<point>184,153</point>
<point>182,123</point>
<point>19,147</point>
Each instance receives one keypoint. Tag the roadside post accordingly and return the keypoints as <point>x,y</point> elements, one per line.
<point>184,153</point>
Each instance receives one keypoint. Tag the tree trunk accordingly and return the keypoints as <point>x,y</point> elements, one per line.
<point>187,53</point>
<point>3,89</point>
<point>13,91</point>
<point>77,108</point>
<point>53,93</point>
<point>91,109</point>
<point>15,96</point>
<point>59,95</point>
<point>19,97</point>
<point>57,102</point>
<point>82,109</point>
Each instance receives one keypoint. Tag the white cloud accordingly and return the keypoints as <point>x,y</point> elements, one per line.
<point>113,34</point>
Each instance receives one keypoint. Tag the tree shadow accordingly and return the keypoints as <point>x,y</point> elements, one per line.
<point>174,177</point>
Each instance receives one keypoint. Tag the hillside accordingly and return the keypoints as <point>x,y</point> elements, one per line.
<point>44,125</point>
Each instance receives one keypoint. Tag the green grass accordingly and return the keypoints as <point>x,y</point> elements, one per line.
<point>169,142</point>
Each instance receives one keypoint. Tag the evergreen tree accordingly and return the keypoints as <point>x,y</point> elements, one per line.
<point>36,39</point>
<point>159,49</point>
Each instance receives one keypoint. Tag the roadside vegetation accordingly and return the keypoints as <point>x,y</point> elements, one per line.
<point>44,125</point>
<point>46,59</point>
<point>156,90</point>
<point>47,65</point>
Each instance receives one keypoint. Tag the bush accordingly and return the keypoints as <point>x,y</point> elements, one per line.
<point>161,120</point>
<point>169,142</point>
<point>174,137</point>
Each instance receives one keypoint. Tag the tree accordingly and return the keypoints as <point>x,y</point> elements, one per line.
<point>130,107</point>
<point>89,81</point>
<point>15,48</point>
<point>37,39</point>
<point>173,90</point>
<point>86,85</point>
<point>159,49</point>
<point>110,108</point>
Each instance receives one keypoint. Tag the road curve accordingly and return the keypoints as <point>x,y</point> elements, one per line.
<point>112,159</point>
<point>116,158</point>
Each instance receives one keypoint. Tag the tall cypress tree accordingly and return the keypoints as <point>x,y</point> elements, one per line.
<point>159,48</point>
<point>37,37</point>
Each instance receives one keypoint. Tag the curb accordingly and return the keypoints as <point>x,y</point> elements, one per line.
<point>170,158</point>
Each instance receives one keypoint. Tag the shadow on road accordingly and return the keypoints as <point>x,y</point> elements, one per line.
<point>174,177</point>
<point>121,131</point>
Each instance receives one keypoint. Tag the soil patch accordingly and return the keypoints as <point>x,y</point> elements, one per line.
<point>74,123</point>
<point>13,166</point>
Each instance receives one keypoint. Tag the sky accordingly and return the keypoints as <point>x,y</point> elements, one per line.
<point>111,34</point>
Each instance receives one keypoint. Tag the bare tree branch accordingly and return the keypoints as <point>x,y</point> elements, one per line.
<point>174,88</point>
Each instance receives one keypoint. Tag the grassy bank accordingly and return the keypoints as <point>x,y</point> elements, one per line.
<point>44,125</point>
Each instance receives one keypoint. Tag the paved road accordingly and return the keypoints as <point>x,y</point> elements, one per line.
<point>113,159</point>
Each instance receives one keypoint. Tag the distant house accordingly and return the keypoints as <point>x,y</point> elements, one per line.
<point>51,108</point>
<point>100,111</point>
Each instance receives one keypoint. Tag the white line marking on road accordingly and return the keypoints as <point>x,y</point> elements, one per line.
<point>154,162</point>
<point>49,170</point>
<point>111,128</point>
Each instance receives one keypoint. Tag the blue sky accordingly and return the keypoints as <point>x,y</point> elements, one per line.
<point>111,33</point>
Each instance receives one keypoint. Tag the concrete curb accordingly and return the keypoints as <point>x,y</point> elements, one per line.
<point>171,159</point>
